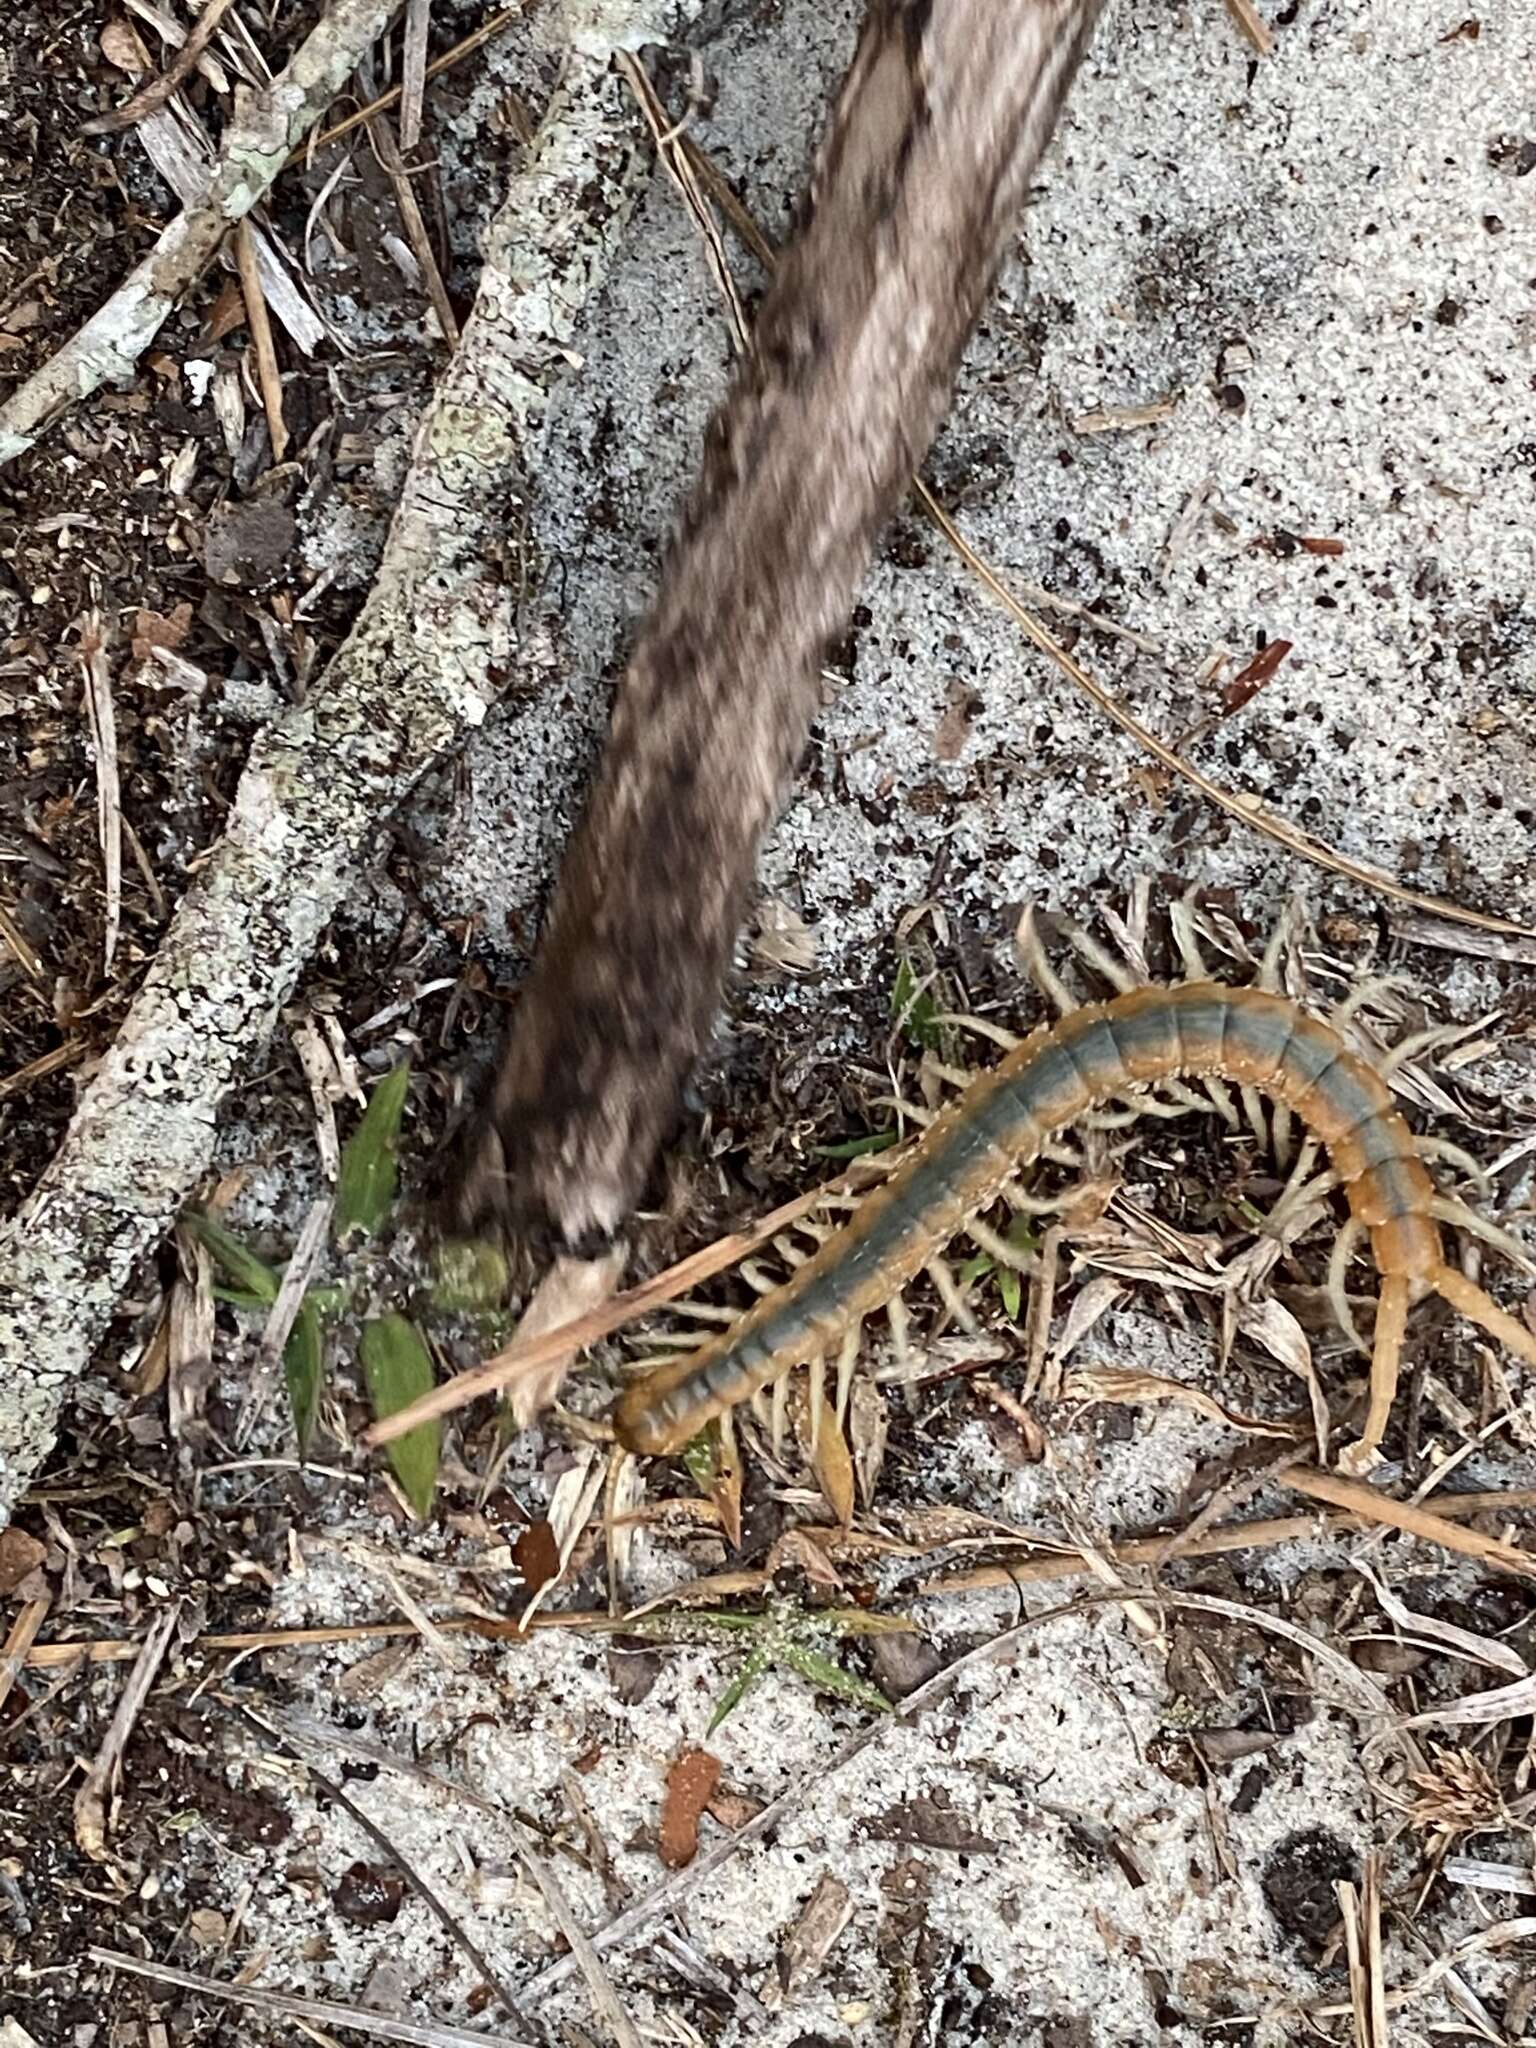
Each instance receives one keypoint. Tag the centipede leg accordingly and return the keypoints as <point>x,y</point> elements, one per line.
<point>1032,959</point>
<point>1386,1357</point>
<point>1253,1109</point>
<point>816,1396</point>
<point>1103,962</point>
<point>779,1413</point>
<point>847,1359</point>
<point>1470,1301</point>
<point>1444,1210</point>
<point>1181,919</point>
<point>1338,1266</point>
<point>1459,1157</point>
<point>981,1027</point>
<point>1221,1100</point>
<point>998,1248</point>
<point>949,1293</point>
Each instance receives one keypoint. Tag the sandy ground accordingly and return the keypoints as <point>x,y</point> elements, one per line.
<point>1322,268</point>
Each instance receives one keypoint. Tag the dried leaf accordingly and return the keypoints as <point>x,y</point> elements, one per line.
<point>1110,1383</point>
<point>869,1423</point>
<point>20,1555</point>
<point>1272,1325</point>
<point>365,1190</point>
<point>830,1460</point>
<point>536,1555</point>
<point>153,629</point>
<point>1247,684</point>
<point>398,1367</point>
<point>690,1786</point>
<point>1088,1305</point>
<point>810,1941</point>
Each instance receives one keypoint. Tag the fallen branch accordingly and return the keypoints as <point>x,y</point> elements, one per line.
<point>421,666</point>
<point>254,149</point>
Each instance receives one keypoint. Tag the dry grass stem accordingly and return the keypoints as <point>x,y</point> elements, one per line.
<point>268,381</point>
<point>387,151</point>
<point>93,1799</point>
<point>102,716</point>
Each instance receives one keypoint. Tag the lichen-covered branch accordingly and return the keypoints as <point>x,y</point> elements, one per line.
<point>420,667</point>
<point>254,149</point>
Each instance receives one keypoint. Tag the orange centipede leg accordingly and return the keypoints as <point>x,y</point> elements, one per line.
<point>1386,1355</point>
<point>1471,1302</point>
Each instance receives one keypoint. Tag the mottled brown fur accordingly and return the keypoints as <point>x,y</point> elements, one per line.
<point>933,139</point>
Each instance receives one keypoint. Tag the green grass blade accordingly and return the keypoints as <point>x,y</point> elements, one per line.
<point>830,1676</point>
<point>304,1370</point>
<point>365,1187</point>
<point>398,1368</point>
<point>856,1148</point>
<point>251,1276</point>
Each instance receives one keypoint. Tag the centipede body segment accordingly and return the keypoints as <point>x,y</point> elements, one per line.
<point>975,1147</point>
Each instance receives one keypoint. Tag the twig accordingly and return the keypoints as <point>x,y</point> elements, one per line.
<point>388,153</point>
<point>1265,1534</point>
<point>110,1650</point>
<point>1362,1500</point>
<point>16,1652</point>
<point>485,33</point>
<point>253,151</point>
<point>600,1987</point>
<point>22,948</point>
<point>1253,25</point>
<point>320,2012</point>
<point>151,97</point>
<point>413,69</point>
<point>22,1078</point>
<point>519,1359</point>
<point>267,378</point>
<point>95,1792</point>
<point>102,716</point>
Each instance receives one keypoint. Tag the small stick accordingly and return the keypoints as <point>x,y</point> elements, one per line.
<point>1359,1499</point>
<point>92,1799</point>
<point>102,715</point>
<point>46,1063</point>
<point>413,70</point>
<point>1253,25</point>
<point>261,340</point>
<point>319,2012</point>
<point>388,152</point>
<point>107,1650</point>
<point>484,34</point>
<point>150,98</point>
<point>16,1652</point>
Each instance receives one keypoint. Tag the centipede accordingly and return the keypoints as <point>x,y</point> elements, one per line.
<point>1148,1048</point>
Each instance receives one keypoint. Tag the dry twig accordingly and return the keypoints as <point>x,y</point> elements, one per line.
<point>268,381</point>
<point>94,1795</point>
<point>150,98</point>
<point>102,715</point>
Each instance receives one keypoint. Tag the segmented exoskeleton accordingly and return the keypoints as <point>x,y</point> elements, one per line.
<point>972,1152</point>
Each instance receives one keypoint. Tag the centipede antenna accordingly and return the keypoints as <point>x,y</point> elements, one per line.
<point>1470,1301</point>
<point>1032,959</point>
<point>1350,1233</point>
<point>847,1359</point>
<point>779,1413</point>
<point>950,1294</point>
<point>1181,920</point>
<point>981,1027</point>
<point>1445,1210</point>
<point>816,1395</point>
<point>1221,1100</point>
<point>1099,958</point>
<point>1458,1156</point>
<point>1253,1109</point>
<point>996,1247</point>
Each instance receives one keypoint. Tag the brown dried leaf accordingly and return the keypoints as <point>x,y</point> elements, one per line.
<point>690,1786</point>
<point>1111,1383</point>
<point>830,1461</point>
<point>810,1941</point>
<point>537,1556</point>
<point>20,1554</point>
<point>1247,684</point>
<point>155,629</point>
